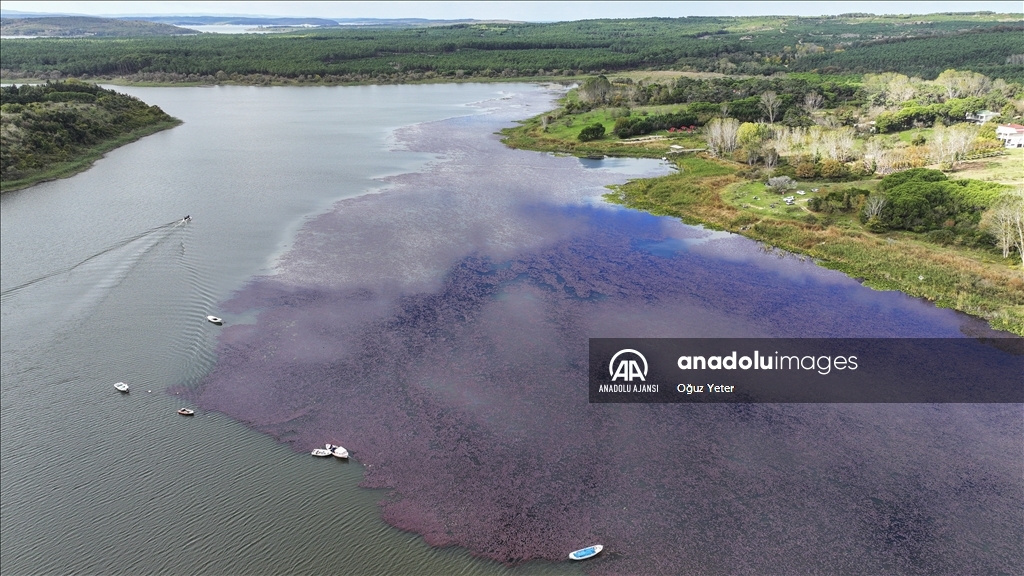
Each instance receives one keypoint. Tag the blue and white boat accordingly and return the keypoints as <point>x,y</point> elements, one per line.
<point>585,553</point>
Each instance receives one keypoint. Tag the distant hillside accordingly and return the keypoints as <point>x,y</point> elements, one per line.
<point>318,22</point>
<point>237,20</point>
<point>81,26</point>
<point>232,20</point>
<point>919,45</point>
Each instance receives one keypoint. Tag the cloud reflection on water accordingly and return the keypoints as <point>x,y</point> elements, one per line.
<point>439,331</point>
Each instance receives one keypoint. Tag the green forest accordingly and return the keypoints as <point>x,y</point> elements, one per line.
<point>59,128</point>
<point>921,46</point>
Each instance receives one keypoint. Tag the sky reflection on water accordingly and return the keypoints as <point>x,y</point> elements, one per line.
<point>439,331</point>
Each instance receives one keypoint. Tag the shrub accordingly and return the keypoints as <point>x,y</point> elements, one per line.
<point>921,205</point>
<point>833,169</point>
<point>593,132</point>
<point>977,193</point>
<point>845,200</point>
<point>941,237</point>
<point>779,184</point>
<point>806,170</point>
<point>643,123</point>
<point>876,225</point>
<point>919,174</point>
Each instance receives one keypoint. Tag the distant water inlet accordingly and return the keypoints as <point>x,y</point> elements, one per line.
<point>438,330</point>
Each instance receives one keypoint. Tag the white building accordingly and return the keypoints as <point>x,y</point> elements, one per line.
<point>982,116</point>
<point>1012,135</point>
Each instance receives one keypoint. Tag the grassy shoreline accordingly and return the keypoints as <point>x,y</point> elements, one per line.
<point>708,191</point>
<point>86,158</point>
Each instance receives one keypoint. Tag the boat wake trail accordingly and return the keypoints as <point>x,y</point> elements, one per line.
<point>195,295</point>
<point>164,228</point>
<point>42,309</point>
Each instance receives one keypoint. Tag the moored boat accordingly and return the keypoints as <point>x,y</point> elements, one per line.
<point>588,552</point>
<point>121,387</point>
<point>186,411</point>
<point>215,320</point>
<point>338,451</point>
<point>321,452</point>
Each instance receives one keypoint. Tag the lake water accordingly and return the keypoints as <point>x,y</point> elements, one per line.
<point>233,29</point>
<point>395,280</point>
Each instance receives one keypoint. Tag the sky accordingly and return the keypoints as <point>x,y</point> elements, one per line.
<point>525,11</point>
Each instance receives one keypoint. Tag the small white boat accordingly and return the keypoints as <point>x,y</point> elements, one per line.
<point>338,451</point>
<point>584,553</point>
<point>321,452</point>
<point>215,320</point>
<point>186,411</point>
<point>121,387</point>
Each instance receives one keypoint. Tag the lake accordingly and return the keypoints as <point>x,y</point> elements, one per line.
<point>395,280</point>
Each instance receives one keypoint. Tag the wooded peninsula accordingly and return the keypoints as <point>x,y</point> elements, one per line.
<point>58,129</point>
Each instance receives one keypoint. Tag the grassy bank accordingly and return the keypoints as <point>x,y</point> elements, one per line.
<point>85,158</point>
<point>711,192</point>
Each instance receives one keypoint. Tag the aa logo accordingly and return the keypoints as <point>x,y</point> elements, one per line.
<point>627,368</point>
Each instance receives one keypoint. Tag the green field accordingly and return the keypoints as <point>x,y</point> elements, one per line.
<point>1008,169</point>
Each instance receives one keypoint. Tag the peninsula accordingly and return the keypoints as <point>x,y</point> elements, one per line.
<point>58,129</point>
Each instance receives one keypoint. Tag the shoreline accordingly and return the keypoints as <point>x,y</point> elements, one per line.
<point>283,81</point>
<point>962,279</point>
<point>88,157</point>
<point>826,245</point>
<point>408,395</point>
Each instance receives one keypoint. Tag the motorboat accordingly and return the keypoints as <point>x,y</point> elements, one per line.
<point>121,387</point>
<point>338,451</point>
<point>215,320</point>
<point>585,553</point>
<point>321,452</point>
<point>186,411</point>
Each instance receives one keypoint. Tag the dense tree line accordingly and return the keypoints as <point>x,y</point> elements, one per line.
<point>950,111</point>
<point>964,212</point>
<point>743,45</point>
<point>990,52</point>
<point>923,200</point>
<point>628,126</point>
<point>45,124</point>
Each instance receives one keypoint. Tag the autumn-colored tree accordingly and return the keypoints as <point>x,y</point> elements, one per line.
<point>806,170</point>
<point>832,169</point>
